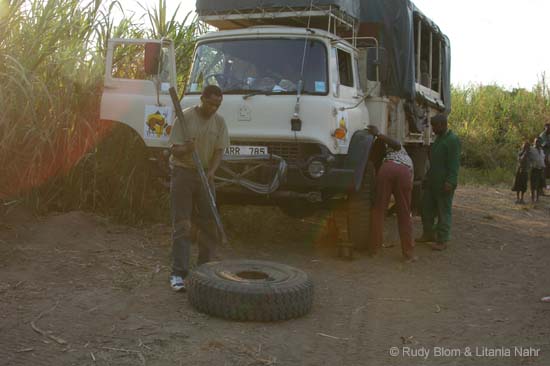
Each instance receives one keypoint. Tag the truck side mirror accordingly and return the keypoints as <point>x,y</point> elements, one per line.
<point>152,58</point>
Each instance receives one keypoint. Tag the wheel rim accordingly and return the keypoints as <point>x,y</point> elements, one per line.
<point>254,274</point>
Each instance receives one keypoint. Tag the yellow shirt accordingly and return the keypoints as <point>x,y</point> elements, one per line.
<point>209,134</point>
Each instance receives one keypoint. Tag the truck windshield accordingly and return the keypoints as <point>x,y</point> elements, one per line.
<point>266,65</point>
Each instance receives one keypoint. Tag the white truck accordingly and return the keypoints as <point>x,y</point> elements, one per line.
<point>301,81</point>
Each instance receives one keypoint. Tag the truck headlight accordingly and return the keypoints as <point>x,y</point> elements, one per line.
<point>316,169</point>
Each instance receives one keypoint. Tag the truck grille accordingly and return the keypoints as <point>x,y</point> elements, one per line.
<point>290,151</point>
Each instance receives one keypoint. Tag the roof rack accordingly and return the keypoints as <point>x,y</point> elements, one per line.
<point>329,18</point>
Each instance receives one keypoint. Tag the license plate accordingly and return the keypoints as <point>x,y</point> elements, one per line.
<point>236,150</point>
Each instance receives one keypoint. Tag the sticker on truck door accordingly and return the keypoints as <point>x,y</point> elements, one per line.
<point>158,122</point>
<point>342,128</point>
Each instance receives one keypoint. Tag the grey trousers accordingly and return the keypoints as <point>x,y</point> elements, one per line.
<point>190,207</point>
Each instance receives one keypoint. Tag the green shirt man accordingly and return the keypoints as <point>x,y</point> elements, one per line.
<point>439,185</point>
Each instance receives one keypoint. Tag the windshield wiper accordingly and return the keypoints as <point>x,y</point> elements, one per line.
<point>258,92</point>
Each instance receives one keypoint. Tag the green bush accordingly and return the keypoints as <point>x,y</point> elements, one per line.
<point>493,122</point>
<point>497,177</point>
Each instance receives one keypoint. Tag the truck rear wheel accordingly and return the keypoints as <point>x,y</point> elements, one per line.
<point>359,210</point>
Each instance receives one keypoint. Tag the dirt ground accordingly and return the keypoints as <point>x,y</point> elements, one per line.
<point>76,289</point>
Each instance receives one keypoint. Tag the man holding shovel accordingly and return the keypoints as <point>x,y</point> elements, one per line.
<point>205,131</point>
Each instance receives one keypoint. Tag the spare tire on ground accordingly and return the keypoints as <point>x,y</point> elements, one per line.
<point>250,290</point>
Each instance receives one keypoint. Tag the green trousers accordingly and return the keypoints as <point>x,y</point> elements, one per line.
<point>437,205</point>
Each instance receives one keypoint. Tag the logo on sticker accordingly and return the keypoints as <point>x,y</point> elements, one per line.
<point>342,123</point>
<point>157,124</point>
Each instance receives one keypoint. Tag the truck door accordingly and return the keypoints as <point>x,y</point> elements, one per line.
<point>347,95</point>
<point>138,74</point>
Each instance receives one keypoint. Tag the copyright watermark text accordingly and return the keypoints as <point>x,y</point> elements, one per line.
<point>478,351</point>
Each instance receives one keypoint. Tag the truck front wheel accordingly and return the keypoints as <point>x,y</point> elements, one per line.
<point>359,210</point>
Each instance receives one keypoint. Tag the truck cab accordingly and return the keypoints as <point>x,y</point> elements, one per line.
<point>288,92</point>
<point>297,100</point>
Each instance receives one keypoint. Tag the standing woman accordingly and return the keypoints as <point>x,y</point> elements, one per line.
<point>537,169</point>
<point>545,143</point>
<point>522,172</point>
<point>395,176</point>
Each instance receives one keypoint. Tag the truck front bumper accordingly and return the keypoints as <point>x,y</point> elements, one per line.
<point>296,184</point>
